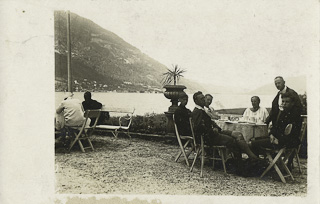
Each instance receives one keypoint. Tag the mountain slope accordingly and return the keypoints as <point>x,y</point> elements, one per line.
<point>103,58</point>
<point>296,83</point>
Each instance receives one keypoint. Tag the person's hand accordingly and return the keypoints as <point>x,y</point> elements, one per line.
<point>272,139</point>
<point>215,130</point>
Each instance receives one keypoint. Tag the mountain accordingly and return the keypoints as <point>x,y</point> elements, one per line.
<point>103,61</point>
<point>296,83</point>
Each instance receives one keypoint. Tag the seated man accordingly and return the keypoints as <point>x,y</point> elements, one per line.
<point>285,128</point>
<point>89,104</point>
<point>213,135</point>
<point>182,115</point>
<point>72,111</point>
<point>259,113</point>
<point>209,110</point>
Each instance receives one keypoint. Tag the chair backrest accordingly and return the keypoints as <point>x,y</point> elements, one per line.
<point>192,132</point>
<point>303,131</point>
<point>92,114</point>
<point>175,126</point>
<point>128,118</point>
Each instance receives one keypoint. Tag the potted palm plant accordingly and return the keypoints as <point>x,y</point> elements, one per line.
<point>173,92</point>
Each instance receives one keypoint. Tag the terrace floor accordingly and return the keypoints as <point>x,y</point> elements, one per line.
<point>148,167</point>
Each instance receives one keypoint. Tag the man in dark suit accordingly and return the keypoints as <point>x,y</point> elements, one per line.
<point>90,104</point>
<point>277,102</point>
<point>285,129</point>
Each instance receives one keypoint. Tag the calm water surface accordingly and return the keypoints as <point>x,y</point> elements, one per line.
<point>157,103</point>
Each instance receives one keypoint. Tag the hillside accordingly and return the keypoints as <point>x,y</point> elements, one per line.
<point>297,83</point>
<point>102,61</point>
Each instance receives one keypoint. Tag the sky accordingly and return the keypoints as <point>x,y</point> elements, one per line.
<point>228,43</point>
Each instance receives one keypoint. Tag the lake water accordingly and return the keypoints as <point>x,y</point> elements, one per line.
<point>157,103</point>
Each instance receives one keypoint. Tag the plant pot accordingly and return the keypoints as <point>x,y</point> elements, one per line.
<point>173,92</point>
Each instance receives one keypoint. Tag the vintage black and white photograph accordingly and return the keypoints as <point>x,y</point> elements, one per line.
<point>181,99</point>
<point>171,100</point>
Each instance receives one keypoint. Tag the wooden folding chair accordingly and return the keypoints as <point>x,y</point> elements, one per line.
<point>224,156</point>
<point>83,130</point>
<point>199,151</point>
<point>281,157</point>
<point>295,153</point>
<point>189,140</point>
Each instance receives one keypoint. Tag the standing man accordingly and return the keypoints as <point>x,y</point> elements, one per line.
<point>277,102</point>
<point>209,110</point>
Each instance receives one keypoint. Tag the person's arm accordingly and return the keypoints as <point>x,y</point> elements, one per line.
<point>99,105</point>
<point>214,125</point>
<point>60,108</point>
<point>295,122</point>
<point>265,115</point>
<point>246,113</point>
<point>198,124</point>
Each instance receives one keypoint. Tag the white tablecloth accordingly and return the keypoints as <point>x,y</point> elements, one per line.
<point>248,130</point>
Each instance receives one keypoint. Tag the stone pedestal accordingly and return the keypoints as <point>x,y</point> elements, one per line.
<point>172,92</point>
<point>170,126</point>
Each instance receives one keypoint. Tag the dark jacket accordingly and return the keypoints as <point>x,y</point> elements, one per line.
<point>202,124</point>
<point>181,118</point>
<point>92,105</point>
<point>275,106</point>
<point>278,128</point>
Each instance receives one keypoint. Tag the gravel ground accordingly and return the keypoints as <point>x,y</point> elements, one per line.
<point>148,167</point>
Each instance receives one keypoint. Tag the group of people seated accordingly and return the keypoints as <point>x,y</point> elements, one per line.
<point>70,112</point>
<point>284,119</point>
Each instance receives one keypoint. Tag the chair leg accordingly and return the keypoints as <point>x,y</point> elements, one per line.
<point>194,160</point>
<point>273,164</point>
<point>273,161</point>
<point>221,152</point>
<point>298,161</point>
<point>129,137</point>
<point>81,146</point>
<point>202,163</point>
<point>213,156</point>
<point>90,144</point>
<point>286,168</point>
<point>279,173</point>
<point>74,141</point>
<point>183,152</point>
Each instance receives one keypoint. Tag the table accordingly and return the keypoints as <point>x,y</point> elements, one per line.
<point>249,130</point>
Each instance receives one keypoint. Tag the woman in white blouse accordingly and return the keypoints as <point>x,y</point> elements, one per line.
<point>259,113</point>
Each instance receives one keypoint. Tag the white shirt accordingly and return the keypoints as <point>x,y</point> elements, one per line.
<point>210,111</point>
<point>280,99</point>
<point>199,107</point>
<point>260,114</point>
